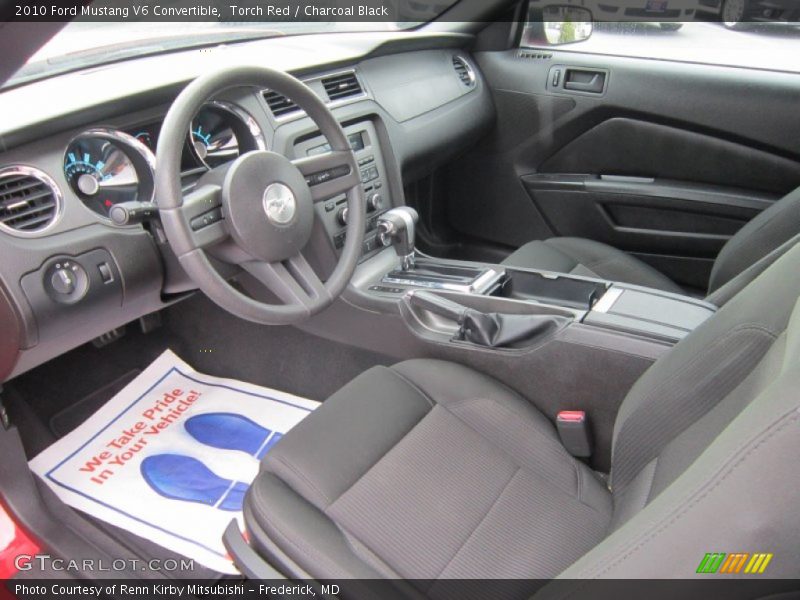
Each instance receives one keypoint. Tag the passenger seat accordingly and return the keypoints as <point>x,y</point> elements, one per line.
<point>763,234</point>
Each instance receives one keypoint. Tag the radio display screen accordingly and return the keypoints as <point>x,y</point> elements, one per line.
<point>356,143</point>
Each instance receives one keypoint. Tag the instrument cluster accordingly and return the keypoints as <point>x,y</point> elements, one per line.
<point>106,167</point>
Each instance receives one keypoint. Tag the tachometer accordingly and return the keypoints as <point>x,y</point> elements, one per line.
<point>106,167</point>
<point>221,131</point>
<point>145,138</point>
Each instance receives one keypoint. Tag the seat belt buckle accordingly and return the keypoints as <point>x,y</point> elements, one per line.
<point>573,429</point>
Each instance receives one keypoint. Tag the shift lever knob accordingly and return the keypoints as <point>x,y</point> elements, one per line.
<point>396,228</point>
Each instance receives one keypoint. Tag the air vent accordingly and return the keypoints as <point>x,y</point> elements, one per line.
<point>30,201</point>
<point>279,104</point>
<point>341,86</point>
<point>535,55</point>
<point>464,71</point>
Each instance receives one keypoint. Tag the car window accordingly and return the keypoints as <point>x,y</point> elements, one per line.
<point>685,34</point>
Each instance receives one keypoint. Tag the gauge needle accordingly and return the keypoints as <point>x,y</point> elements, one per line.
<point>124,177</point>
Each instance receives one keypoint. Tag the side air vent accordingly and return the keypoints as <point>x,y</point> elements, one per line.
<point>341,86</point>
<point>279,104</point>
<point>30,201</point>
<point>464,71</point>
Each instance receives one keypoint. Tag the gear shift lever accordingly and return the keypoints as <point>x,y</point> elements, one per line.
<point>396,227</point>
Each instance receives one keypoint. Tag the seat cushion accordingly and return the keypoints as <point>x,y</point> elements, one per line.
<point>426,471</point>
<point>591,259</point>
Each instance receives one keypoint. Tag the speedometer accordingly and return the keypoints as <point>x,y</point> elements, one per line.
<point>221,131</point>
<point>106,167</point>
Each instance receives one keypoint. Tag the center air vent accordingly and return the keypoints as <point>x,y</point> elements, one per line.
<point>341,86</point>
<point>464,71</point>
<point>30,201</point>
<point>279,104</point>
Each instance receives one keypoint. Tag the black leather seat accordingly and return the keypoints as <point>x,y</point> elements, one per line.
<point>429,471</point>
<point>763,234</point>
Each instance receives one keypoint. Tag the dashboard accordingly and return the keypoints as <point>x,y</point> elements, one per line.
<point>70,270</point>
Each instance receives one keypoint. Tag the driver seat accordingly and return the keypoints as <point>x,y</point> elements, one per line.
<point>429,471</point>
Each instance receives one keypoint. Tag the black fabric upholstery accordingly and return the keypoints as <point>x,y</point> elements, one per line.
<point>430,471</point>
<point>393,460</point>
<point>669,404</point>
<point>699,379</point>
<point>591,259</point>
<point>761,236</point>
<point>730,477</point>
<point>385,407</point>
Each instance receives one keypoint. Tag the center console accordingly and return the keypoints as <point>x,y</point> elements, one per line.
<point>661,317</point>
<point>481,304</point>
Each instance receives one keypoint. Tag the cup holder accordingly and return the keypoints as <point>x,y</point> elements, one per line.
<point>555,289</point>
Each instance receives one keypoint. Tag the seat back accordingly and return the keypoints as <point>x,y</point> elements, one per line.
<point>763,234</point>
<point>685,399</point>
<point>706,444</point>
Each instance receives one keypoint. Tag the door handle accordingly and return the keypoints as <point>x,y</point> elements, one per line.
<point>585,80</point>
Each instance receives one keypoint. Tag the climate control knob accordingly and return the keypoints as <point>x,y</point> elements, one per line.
<point>341,216</point>
<point>374,202</point>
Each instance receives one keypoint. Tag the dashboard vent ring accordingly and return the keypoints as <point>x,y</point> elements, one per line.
<point>464,71</point>
<point>30,201</point>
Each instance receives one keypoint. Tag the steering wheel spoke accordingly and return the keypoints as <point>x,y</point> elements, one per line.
<point>202,211</point>
<point>329,174</point>
<point>292,280</point>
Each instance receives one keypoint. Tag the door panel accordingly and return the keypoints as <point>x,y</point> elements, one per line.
<point>667,162</point>
<point>626,146</point>
<point>672,219</point>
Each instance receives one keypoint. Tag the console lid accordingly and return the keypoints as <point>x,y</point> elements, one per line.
<point>649,312</point>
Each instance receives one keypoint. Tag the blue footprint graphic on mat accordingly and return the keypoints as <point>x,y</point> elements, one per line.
<point>185,478</point>
<point>181,477</point>
<point>229,431</point>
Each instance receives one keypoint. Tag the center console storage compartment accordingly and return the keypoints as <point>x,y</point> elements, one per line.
<point>551,289</point>
<point>652,313</point>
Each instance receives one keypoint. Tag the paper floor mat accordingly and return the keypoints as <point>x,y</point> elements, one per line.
<point>170,457</point>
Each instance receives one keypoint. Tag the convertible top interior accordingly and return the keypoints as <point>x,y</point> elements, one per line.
<point>549,343</point>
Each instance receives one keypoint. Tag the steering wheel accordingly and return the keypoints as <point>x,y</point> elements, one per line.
<point>265,204</point>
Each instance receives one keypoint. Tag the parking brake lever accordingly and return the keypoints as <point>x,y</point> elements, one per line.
<point>492,330</point>
<point>438,305</point>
